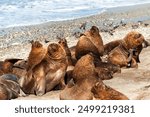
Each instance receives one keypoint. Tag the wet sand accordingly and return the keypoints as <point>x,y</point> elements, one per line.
<point>114,24</point>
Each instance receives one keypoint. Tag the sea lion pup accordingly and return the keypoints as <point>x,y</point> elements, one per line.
<point>9,89</point>
<point>103,92</point>
<point>90,41</point>
<point>122,55</point>
<point>84,77</point>
<point>50,72</point>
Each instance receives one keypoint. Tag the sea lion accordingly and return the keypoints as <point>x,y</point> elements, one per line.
<point>7,65</point>
<point>72,50</point>
<point>90,41</point>
<point>103,92</point>
<point>84,67</point>
<point>84,78</point>
<point>9,88</point>
<point>37,50</point>
<point>50,72</point>
<point>104,73</point>
<point>122,55</point>
<point>111,45</point>
<point>79,91</point>
<point>63,43</point>
<point>10,77</point>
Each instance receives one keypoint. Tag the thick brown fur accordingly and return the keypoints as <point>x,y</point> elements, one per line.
<point>83,68</point>
<point>104,73</point>
<point>9,89</point>
<point>111,45</point>
<point>90,41</point>
<point>84,76</point>
<point>38,51</point>
<point>48,73</point>
<point>103,92</point>
<point>63,43</point>
<point>7,65</point>
<point>122,55</point>
<point>72,50</point>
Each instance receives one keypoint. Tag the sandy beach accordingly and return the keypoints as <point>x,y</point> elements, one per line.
<point>114,24</point>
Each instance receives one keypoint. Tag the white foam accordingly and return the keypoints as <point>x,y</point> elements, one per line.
<point>18,12</point>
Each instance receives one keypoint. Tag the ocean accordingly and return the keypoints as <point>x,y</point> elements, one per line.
<point>28,12</point>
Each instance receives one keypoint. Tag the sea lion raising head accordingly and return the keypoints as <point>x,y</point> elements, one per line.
<point>90,41</point>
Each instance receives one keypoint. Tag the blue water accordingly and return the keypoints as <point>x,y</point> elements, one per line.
<point>26,12</point>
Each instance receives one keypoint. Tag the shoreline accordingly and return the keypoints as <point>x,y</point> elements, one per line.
<point>18,37</point>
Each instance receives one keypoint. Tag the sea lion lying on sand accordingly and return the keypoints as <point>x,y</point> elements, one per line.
<point>90,41</point>
<point>7,64</point>
<point>111,45</point>
<point>103,92</point>
<point>45,74</point>
<point>122,55</point>
<point>9,88</point>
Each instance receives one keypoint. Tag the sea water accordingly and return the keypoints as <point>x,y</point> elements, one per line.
<point>27,12</point>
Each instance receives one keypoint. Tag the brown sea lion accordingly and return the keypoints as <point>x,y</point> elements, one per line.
<point>90,41</point>
<point>72,50</point>
<point>9,88</point>
<point>111,45</point>
<point>50,72</point>
<point>37,50</point>
<point>7,65</point>
<point>63,43</point>
<point>104,73</point>
<point>84,78</point>
<point>122,55</point>
<point>83,68</point>
<point>79,91</point>
<point>103,92</point>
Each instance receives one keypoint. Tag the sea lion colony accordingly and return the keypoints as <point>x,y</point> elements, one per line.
<point>78,71</point>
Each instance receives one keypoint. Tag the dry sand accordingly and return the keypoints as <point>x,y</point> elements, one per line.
<point>135,83</point>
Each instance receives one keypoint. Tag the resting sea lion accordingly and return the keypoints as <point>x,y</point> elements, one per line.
<point>122,55</point>
<point>103,92</point>
<point>90,41</point>
<point>9,88</point>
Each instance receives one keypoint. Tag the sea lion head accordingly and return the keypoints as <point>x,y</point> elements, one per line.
<point>99,90</point>
<point>36,44</point>
<point>133,39</point>
<point>63,42</point>
<point>55,51</point>
<point>94,30</point>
